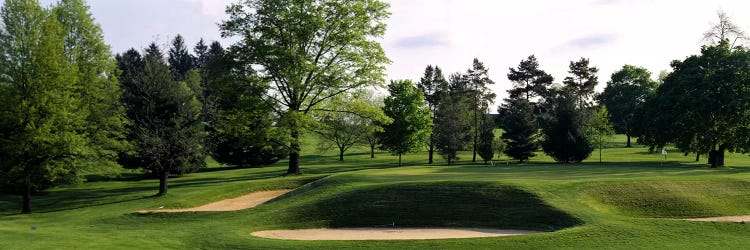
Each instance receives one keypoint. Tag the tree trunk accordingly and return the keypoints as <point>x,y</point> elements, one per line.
<point>341,154</point>
<point>712,158</point>
<point>27,197</point>
<point>697,157</point>
<point>163,185</point>
<point>720,156</point>
<point>628,143</point>
<point>372,151</point>
<point>431,150</point>
<point>294,150</point>
<point>476,135</point>
<point>399,159</point>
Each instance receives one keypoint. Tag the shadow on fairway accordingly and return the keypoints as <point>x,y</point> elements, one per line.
<point>435,204</point>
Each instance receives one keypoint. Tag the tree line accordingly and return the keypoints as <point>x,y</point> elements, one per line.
<point>70,107</point>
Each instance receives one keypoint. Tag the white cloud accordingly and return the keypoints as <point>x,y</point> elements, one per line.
<point>649,33</point>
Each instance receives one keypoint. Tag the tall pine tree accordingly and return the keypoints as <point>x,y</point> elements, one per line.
<point>430,84</point>
<point>581,82</point>
<point>166,129</point>
<point>482,96</point>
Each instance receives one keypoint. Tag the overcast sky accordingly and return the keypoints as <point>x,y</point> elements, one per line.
<point>450,33</point>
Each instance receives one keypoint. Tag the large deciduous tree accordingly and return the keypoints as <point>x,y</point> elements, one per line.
<point>702,105</point>
<point>411,124</point>
<point>310,51</point>
<point>42,118</point>
<point>725,30</point>
<point>96,83</point>
<point>625,92</point>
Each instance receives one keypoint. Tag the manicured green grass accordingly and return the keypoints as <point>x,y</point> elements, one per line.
<point>628,201</point>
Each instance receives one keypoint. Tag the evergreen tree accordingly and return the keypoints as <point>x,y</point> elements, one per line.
<point>43,138</point>
<point>167,131</point>
<point>482,97</point>
<point>519,125</point>
<point>487,140</point>
<point>564,131</point>
<point>411,124</point>
<point>528,80</point>
<point>429,84</point>
<point>180,60</point>
<point>581,82</point>
<point>201,52</point>
<point>451,129</point>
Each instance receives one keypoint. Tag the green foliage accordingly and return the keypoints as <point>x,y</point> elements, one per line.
<point>499,146</point>
<point>564,130</point>
<point>347,119</point>
<point>486,147</point>
<point>519,124</point>
<point>625,93</point>
<point>481,96</point>
<point>581,82</point>
<point>167,131</point>
<point>240,122</point>
<point>411,124</point>
<point>179,59</point>
<point>528,80</point>
<point>430,84</point>
<point>703,106</point>
<point>310,51</point>
<point>599,130</point>
<point>42,118</point>
<point>96,82</point>
<point>451,130</point>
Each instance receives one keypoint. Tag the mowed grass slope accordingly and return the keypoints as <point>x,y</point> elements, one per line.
<point>628,201</point>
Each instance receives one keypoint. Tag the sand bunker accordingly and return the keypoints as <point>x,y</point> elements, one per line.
<point>386,233</point>
<point>741,218</point>
<point>243,202</point>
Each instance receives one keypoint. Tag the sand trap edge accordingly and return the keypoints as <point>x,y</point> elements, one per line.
<point>242,202</point>
<point>738,218</point>
<point>364,233</point>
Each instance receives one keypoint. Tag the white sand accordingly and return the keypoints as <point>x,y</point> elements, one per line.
<point>243,202</point>
<point>741,218</point>
<point>386,233</point>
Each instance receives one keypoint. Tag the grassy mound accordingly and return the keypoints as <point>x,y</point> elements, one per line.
<point>673,199</point>
<point>445,204</point>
